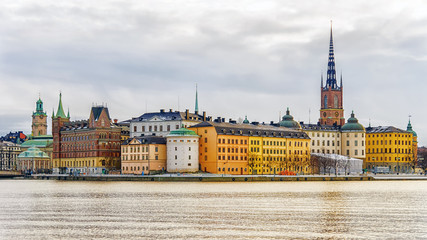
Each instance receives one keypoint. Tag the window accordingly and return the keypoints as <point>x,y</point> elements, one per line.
<point>155,128</point>
<point>189,157</point>
<point>177,127</point>
<point>176,157</point>
<point>149,128</point>
<point>168,128</point>
<point>161,128</point>
<point>348,143</point>
<point>143,128</point>
<point>189,164</point>
<point>134,128</point>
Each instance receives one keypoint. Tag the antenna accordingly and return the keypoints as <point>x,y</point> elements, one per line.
<point>280,115</point>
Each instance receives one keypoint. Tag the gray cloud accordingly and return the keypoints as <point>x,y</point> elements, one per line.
<point>248,57</point>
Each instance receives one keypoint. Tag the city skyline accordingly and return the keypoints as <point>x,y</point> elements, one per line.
<point>252,59</point>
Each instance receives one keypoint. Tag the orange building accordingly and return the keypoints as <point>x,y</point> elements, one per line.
<point>228,148</point>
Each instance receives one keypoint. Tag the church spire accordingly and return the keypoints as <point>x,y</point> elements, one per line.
<point>60,112</point>
<point>331,79</point>
<point>196,108</point>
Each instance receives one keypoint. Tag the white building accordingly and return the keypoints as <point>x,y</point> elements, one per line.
<point>182,151</point>
<point>162,123</point>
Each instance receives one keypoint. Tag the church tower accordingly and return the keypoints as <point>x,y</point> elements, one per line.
<point>58,121</point>
<point>39,123</point>
<point>331,102</point>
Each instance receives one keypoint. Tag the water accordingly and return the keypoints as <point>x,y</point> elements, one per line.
<point>43,209</point>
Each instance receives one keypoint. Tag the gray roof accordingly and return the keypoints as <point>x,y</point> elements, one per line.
<point>147,140</point>
<point>317,127</point>
<point>168,116</point>
<point>253,130</point>
<point>385,129</point>
<point>97,112</point>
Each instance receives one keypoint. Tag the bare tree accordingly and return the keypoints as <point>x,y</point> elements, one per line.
<point>252,158</point>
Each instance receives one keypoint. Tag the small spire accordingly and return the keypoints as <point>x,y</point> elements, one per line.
<point>287,111</point>
<point>321,79</point>
<point>341,80</point>
<point>196,108</point>
<point>68,114</point>
<point>53,113</point>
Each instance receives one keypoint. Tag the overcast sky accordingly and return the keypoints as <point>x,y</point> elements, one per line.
<point>251,58</point>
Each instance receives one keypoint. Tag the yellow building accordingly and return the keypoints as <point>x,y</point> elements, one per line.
<point>389,147</point>
<point>143,155</point>
<point>229,148</point>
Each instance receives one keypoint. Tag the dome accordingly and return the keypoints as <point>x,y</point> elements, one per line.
<point>352,124</point>
<point>246,121</point>
<point>182,132</point>
<point>409,129</point>
<point>33,152</point>
<point>288,121</point>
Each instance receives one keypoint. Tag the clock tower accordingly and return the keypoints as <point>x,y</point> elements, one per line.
<point>331,102</point>
<point>39,123</point>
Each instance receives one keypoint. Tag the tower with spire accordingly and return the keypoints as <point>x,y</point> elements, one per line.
<point>39,121</point>
<point>331,102</point>
<point>58,120</point>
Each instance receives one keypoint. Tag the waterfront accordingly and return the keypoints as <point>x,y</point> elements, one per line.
<point>32,209</point>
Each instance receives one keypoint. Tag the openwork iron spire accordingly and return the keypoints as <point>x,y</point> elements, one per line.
<point>331,77</point>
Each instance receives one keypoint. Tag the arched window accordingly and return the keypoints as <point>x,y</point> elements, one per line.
<point>325,102</point>
<point>335,101</point>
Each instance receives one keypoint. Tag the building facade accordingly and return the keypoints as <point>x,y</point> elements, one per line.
<point>229,148</point>
<point>143,155</point>
<point>162,123</point>
<point>33,160</point>
<point>9,152</point>
<point>182,151</point>
<point>389,147</point>
<point>85,147</point>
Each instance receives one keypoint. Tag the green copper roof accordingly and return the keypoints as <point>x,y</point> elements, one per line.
<point>39,141</point>
<point>409,129</point>
<point>182,132</point>
<point>33,152</point>
<point>246,121</point>
<point>288,121</point>
<point>39,108</point>
<point>60,113</point>
<point>352,124</point>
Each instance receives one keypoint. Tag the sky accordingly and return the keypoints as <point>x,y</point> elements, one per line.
<point>253,58</point>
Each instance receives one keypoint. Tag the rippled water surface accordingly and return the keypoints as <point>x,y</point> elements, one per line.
<point>31,209</point>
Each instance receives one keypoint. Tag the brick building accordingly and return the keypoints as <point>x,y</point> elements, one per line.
<point>86,146</point>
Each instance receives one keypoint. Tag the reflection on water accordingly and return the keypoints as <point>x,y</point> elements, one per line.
<point>266,210</point>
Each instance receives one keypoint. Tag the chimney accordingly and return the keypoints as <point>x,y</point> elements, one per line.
<point>186,114</point>
<point>204,116</point>
<point>196,112</point>
<point>170,110</point>
<point>115,120</point>
<point>162,110</point>
<point>271,122</point>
